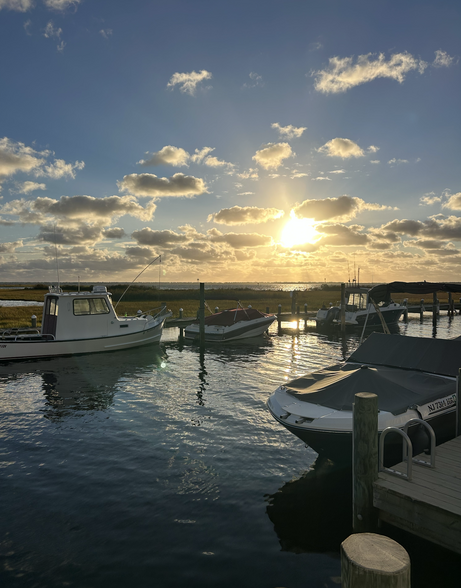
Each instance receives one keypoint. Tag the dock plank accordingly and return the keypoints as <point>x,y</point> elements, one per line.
<point>430,504</point>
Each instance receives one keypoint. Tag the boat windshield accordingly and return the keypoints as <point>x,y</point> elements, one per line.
<point>357,301</point>
<point>90,306</point>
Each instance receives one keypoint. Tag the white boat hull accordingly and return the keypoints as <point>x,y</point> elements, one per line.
<point>30,348</point>
<point>238,331</point>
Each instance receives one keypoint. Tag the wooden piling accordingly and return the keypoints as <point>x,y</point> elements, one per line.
<point>201,313</point>
<point>434,308</point>
<point>343,308</point>
<point>458,404</point>
<point>421,309</point>
<point>364,461</point>
<point>370,560</point>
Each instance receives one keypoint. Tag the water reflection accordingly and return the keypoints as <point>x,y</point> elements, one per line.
<point>83,383</point>
<point>313,513</point>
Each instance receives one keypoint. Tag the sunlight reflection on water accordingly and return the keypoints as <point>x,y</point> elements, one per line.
<point>164,462</point>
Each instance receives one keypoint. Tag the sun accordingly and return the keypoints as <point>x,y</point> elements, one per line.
<point>298,231</point>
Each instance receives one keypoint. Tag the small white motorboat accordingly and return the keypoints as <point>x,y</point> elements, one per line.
<point>81,322</point>
<point>360,310</point>
<point>413,378</point>
<point>231,325</point>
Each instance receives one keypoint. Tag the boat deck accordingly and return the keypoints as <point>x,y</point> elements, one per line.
<point>430,504</point>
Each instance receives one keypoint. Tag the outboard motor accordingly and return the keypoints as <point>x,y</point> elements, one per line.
<point>333,314</point>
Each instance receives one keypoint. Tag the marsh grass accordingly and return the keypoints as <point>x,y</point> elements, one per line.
<point>146,298</point>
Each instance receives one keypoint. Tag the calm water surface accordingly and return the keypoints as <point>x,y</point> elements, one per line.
<point>163,467</point>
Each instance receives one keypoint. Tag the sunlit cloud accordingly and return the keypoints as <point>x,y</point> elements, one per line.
<point>168,155</point>
<point>60,4</point>
<point>201,154</point>
<point>238,215</point>
<point>436,227</point>
<point>429,199</point>
<point>337,171</point>
<point>240,240</point>
<point>272,155</point>
<point>340,235</point>
<point>163,238</point>
<point>453,202</point>
<point>299,174</point>
<point>60,169</point>
<point>28,187</point>
<point>114,233</point>
<point>10,247</point>
<point>343,148</point>
<point>188,82</point>
<point>442,59</point>
<point>344,208</point>
<point>289,132</point>
<point>151,185</point>
<point>18,5</point>
<point>343,74</point>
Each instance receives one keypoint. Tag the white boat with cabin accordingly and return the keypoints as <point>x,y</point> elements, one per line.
<point>81,322</point>
<point>360,310</point>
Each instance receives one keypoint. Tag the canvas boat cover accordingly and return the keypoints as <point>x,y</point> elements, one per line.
<point>435,356</point>
<point>226,318</point>
<point>397,389</point>
<point>384,291</point>
<point>402,371</point>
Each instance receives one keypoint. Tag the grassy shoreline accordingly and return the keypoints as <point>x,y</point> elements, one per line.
<point>146,298</point>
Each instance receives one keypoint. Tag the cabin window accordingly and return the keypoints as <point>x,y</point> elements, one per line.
<point>90,306</point>
<point>52,306</point>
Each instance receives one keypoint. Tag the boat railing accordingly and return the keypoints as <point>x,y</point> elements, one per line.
<point>14,333</point>
<point>407,450</point>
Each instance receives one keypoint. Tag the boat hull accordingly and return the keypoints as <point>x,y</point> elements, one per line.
<point>337,445</point>
<point>238,331</point>
<point>38,347</point>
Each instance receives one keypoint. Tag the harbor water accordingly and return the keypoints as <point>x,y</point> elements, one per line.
<point>161,466</point>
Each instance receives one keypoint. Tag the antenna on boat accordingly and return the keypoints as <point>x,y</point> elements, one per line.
<point>159,257</point>
<point>56,255</point>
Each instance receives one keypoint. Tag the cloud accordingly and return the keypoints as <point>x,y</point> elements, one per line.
<point>15,157</point>
<point>238,215</point>
<point>453,202</point>
<point>342,74</point>
<point>341,148</point>
<point>114,233</point>
<point>106,33</point>
<point>164,238</point>
<point>70,235</point>
<point>60,4</point>
<point>51,31</point>
<point>256,80</point>
<point>212,161</point>
<point>151,185</point>
<point>340,235</point>
<point>18,5</point>
<point>168,155</point>
<point>442,59</point>
<point>395,161</point>
<point>344,207</point>
<point>289,132</point>
<point>201,154</point>
<point>60,169</point>
<point>337,171</point>
<point>10,247</point>
<point>188,81</point>
<point>240,240</point>
<point>437,227</point>
<point>272,155</point>
<point>28,187</point>
<point>298,174</point>
<point>77,208</point>
<point>429,199</point>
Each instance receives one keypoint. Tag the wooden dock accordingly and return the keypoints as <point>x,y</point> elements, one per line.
<point>430,504</point>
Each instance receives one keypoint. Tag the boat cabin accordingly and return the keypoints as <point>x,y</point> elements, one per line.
<point>356,299</point>
<point>78,315</point>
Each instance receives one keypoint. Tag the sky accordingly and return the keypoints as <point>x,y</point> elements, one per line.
<point>241,141</point>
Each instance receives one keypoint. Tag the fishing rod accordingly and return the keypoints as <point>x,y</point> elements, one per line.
<point>148,265</point>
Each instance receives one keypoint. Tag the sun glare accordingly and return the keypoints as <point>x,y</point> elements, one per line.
<point>298,231</point>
